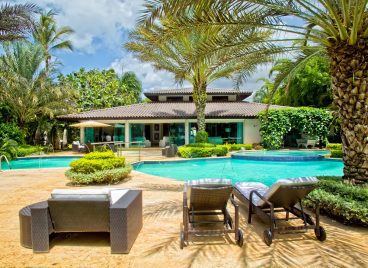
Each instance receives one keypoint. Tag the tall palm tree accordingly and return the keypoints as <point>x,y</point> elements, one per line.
<point>15,21</point>
<point>265,93</point>
<point>178,55</point>
<point>133,85</point>
<point>339,27</point>
<point>25,87</point>
<point>50,37</point>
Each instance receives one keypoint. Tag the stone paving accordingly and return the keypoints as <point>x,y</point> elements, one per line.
<point>158,243</point>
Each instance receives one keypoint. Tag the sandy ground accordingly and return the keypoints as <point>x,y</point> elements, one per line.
<point>158,243</point>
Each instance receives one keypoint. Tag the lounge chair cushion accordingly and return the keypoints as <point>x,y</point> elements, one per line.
<point>246,187</point>
<point>206,183</point>
<point>83,194</point>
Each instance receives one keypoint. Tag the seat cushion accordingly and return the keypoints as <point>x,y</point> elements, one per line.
<point>116,194</point>
<point>206,183</point>
<point>246,187</point>
<point>83,194</point>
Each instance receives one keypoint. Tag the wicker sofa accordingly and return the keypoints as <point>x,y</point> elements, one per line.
<point>116,211</point>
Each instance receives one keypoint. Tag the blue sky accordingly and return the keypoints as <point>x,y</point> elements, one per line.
<point>101,28</point>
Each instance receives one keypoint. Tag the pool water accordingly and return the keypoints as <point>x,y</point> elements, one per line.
<point>239,170</point>
<point>39,162</point>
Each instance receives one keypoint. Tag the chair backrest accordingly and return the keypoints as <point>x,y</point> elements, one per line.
<point>208,194</point>
<point>286,193</point>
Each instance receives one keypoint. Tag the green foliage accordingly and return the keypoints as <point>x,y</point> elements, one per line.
<point>336,153</point>
<point>25,150</point>
<point>87,166</point>
<point>193,152</point>
<point>277,122</point>
<point>237,147</point>
<point>200,145</point>
<point>8,148</point>
<point>11,131</point>
<point>103,89</point>
<point>340,200</point>
<point>111,176</point>
<point>100,155</point>
<point>201,137</point>
<point>334,146</point>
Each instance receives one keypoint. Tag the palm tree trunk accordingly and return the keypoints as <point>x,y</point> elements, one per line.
<point>349,69</point>
<point>200,99</point>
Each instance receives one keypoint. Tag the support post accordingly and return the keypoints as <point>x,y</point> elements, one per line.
<point>186,130</point>
<point>127,134</point>
<point>81,135</point>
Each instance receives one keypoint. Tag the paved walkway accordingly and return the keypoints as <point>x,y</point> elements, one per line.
<point>158,243</point>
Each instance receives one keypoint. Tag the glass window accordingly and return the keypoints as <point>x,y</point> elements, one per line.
<point>119,132</point>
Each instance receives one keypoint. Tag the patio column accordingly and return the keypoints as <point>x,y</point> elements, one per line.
<point>127,134</point>
<point>81,133</point>
<point>186,131</point>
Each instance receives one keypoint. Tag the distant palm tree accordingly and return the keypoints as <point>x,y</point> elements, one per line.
<point>339,27</point>
<point>133,85</point>
<point>15,21</point>
<point>178,55</point>
<point>50,37</point>
<point>265,93</point>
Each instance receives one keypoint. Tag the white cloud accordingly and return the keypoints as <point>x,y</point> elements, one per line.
<point>97,23</point>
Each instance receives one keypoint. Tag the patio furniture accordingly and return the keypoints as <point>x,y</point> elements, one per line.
<point>306,143</point>
<point>116,211</point>
<point>77,147</point>
<point>203,201</point>
<point>170,151</point>
<point>282,196</point>
<point>165,141</point>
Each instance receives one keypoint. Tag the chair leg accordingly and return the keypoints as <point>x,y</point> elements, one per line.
<point>250,212</point>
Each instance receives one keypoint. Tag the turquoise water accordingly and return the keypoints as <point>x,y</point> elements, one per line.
<point>284,153</point>
<point>39,162</point>
<point>238,170</point>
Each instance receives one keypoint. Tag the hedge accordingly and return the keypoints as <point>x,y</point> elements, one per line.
<point>100,155</point>
<point>201,137</point>
<point>237,147</point>
<point>86,166</point>
<point>193,152</point>
<point>334,146</point>
<point>25,150</point>
<point>340,200</point>
<point>100,177</point>
<point>201,145</point>
<point>336,153</point>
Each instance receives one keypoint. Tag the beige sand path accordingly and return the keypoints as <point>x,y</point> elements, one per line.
<point>158,243</point>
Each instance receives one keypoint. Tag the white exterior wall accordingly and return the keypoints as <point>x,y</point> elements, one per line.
<point>251,131</point>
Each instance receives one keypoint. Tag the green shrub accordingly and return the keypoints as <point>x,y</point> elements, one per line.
<point>201,137</point>
<point>340,200</point>
<point>100,155</point>
<point>87,166</point>
<point>336,153</point>
<point>25,150</point>
<point>200,145</point>
<point>334,146</point>
<point>100,177</point>
<point>11,131</point>
<point>193,152</point>
<point>237,147</point>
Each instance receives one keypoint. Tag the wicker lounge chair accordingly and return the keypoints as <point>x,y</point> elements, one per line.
<point>208,197</point>
<point>116,211</point>
<point>283,196</point>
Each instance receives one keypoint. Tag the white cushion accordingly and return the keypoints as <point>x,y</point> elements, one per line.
<point>116,194</point>
<point>83,194</point>
<point>246,187</point>
<point>205,182</point>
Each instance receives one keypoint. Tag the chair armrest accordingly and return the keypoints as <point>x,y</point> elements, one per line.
<point>185,199</point>
<point>260,196</point>
<point>233,201</point>
<point>41,226</point>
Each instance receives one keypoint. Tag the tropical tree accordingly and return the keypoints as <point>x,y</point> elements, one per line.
<point>102,89</point>
<point>178,55</point>
<point>338,27</point>
<point>265,93</point>
<point>24,86</point>
<point>50,37</point>
<point>15,21</point>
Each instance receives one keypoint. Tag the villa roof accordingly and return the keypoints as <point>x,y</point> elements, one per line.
<point>242,94</point>
<point>172,110</point>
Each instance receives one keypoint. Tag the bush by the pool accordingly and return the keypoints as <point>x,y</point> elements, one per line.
<point>336,149</point>
<point>98,168</point>
<point>188,151</point>
<point>345,202</point>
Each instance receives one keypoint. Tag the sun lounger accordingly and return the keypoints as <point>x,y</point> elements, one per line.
<point>282,196</point>
<point>208,198</point>
<point>116,211</point>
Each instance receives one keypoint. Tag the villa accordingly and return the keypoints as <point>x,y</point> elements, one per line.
<point>170,114</point>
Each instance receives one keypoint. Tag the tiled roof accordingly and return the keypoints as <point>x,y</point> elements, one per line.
<point>185,91</point>
<point>172,110</point>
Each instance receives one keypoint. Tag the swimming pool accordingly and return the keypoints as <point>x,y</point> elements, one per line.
<point>39,162</point>
<point>238,170</point>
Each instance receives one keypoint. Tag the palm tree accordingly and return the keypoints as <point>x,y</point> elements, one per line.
<point>265,93</point>
<point>133,85</point>
<point>338,27</point>
<point>178,55</point>
<point>15,21</point>
<point>25,87</point>
<point>51,38</point>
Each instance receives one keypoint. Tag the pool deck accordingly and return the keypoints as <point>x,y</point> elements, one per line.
<point>158,243</point>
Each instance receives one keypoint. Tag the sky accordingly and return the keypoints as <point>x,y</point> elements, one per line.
<point>101,29</point>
